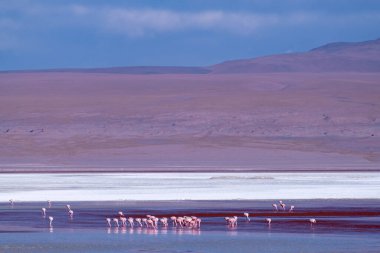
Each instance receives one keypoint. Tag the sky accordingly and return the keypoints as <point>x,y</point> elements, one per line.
<point>45,34</point>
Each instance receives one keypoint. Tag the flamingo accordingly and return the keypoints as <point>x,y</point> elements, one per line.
<point>233,221</point>
<point>49,203</point>
<point>138,220</point>
<point>283,206</point>
<point>247,216</point>
<point>155,220</point>
<point>188,221</point>
<point>275,207</point>
<point>43,209</point>
<point>109,222</point>
<point>145,220</point>
<point>269,220</point>
<point>227,219</point>
<point>199,222</point>
<point>130,220</point>
<point>174,220</point>
<point>312,221</point>
<point>71,213</point>
<point>164,221</point>
<point>51,221</point>
<point>151,222</point>
<point>116,220</point>
<point>180,221</point>
<point>123,221</point>
<point>194,221</point>
<point>68,207</point>
<point>291,209</point>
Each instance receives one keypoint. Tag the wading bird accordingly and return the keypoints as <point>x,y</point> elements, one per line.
<point>109,222</point>
<point>71,213</point>
<point>51,221</point>
<point>116,220</point>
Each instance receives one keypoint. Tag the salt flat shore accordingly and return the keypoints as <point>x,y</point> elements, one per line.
<point>190,186</point>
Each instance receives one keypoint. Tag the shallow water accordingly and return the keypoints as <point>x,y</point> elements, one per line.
<point>180,186</point>
<point>342,226</point>
<point>218,242</point>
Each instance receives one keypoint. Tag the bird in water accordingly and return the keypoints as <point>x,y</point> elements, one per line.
<point>247,216</point>
<point>51,221</point>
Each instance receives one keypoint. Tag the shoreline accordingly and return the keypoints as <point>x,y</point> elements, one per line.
<point>78,170</point>
<point>188,186</point>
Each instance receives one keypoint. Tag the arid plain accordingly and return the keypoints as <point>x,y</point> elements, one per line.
<point>65,121</point>
<point>315,110</point>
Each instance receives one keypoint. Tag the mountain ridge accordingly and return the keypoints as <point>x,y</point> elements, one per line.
<point>363,56</point>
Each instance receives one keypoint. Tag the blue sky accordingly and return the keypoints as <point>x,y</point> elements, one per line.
<point>37,34</point>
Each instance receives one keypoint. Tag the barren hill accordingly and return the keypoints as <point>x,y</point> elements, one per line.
<point>334,57</point>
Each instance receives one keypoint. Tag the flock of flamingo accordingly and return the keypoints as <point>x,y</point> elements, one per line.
<point>150,221</point>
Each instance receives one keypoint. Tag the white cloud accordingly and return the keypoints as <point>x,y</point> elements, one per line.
<point>134,22</point>
<point>139,22</point>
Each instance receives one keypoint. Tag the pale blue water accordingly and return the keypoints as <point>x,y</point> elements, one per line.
<point>208,242</point>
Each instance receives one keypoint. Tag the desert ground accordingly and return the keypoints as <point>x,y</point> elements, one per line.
<point>64,121</point>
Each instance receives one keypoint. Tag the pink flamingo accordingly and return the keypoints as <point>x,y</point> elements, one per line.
<point>227,219</point>
<point>291,209</point>
<point>116,220</point>
<point>282,205</point>
<point>130,220</point>
<point>269,220</point>
<point>233,221</point>
<point>151,222</point>
<point>180,221</point>
<point>194,221</point>
<point>174,220</point>
<point>247,216</point>
<point>145,220</point>
<point>312,221</point>
<point>275,207</point>
<point>109,222</point>
<point>123,221</point>
<point>199,222</point>
<point>138,220</point>
<point>51,221</point>
<point>187,221</point>
<point>164,221</point>
<point>68,207</point>
<point>43,209</point>
<point>49,203</point>
<point>71,213</point>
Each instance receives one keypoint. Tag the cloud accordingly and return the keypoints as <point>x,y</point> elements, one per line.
<point>139,22</point>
